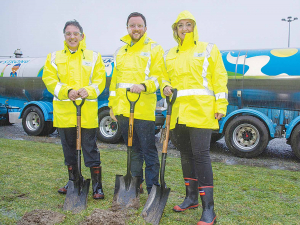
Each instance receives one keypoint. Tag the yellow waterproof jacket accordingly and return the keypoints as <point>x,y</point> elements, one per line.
<point>64,71</point>
<point>197,71</point>
<point>141,63</point>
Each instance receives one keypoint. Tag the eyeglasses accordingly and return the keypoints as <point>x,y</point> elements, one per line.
<point>132,26</point>
<point>76,34</point>
<point>188,26</point>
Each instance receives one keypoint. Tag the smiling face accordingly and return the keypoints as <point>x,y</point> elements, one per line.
<point>73,37</point>
<point>136,28</point>
<point>183,27</point>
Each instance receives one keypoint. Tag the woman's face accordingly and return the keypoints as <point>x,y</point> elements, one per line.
<point>183,27</point>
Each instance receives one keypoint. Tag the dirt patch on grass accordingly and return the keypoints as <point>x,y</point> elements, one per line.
<point>112,216</point>
<point>42,217</point>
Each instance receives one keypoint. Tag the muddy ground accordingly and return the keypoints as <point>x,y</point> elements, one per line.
<point>278,155</point>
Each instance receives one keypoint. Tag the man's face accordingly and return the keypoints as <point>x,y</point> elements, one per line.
<point>73,37</point>
<point>136,28</point>
<point>183,27</point>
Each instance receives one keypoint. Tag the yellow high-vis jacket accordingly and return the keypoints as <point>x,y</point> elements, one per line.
<point>64,71</point>
<point>141,63</point>
<point>197,71</point>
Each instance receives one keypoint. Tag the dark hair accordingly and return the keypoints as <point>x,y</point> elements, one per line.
<point>74,23</point>
<point>136,14</point>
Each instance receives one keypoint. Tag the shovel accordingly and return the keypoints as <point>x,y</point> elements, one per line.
<point>158,197</point>
<point>127,187</point>
<point>76,199</point>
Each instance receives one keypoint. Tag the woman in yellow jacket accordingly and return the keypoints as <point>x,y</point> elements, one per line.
<point>196,70</point>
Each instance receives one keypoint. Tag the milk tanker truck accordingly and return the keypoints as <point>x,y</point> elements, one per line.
<point>24,98</point>
<point>263,95</point>
<point>264,100</point>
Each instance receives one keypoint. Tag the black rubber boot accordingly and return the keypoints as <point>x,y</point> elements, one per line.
<point>208,214</point>
<point>191,199</point>
<point>72,170</point>
<point>96,182</point>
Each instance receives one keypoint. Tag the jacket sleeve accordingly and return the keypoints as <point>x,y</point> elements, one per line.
<point>219,81</point>
<point>51,80</point>
<point>158,75</point>
<point>98,79</point>
<point>112,89</point>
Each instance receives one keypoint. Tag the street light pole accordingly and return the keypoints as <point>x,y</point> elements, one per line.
<point>289,20</point>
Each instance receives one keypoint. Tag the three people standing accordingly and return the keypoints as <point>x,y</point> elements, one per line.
<point>194,68</point>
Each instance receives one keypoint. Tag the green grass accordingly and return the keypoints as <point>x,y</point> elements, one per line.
<point>32,172</point>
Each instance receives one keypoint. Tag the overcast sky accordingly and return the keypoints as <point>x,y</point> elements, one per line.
<point>36,26</point>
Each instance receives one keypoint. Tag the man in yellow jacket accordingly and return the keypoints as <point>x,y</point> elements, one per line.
<point>139,65</point>
<point>72,74</point>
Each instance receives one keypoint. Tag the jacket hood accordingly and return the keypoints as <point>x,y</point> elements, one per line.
<point>185,15</point>
<point>82,44</point>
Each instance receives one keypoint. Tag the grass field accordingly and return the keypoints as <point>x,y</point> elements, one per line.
<point>32,172</point>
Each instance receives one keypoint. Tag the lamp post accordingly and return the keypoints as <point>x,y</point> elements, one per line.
<point>289,20</point>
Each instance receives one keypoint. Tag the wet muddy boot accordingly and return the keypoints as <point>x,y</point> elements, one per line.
<point>72,169</point>
<point>208,214</point>
<point>96,182</point>
<point>191,199</point>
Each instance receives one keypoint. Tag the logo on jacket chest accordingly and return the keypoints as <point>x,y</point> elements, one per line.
<point>147,54</point>
<point>86,63</point>
<point>196,54</point>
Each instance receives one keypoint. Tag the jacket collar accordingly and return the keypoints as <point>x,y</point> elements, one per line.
<point>188,42</point>
<point>143,41</point>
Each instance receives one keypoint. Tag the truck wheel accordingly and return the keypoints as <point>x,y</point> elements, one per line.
<point>33,121</point>
<point>108,131</point>
<point>246,136</point>
<point>295,141</point>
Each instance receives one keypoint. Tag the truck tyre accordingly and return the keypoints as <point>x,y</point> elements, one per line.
<point>33,121</point>
<point>109,131</point>
<point>295,141</point>
<point>246,136</point>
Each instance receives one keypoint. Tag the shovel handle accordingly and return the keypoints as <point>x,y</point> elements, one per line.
<point>78,127</point>
<point>78,142</point>
<point>131,118</point>
<point>168,118</point>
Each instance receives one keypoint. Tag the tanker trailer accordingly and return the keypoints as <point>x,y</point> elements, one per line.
<point>264,99</point>
<point>24,98</point>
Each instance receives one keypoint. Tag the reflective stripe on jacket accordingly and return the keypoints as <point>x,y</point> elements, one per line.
<point>197,71</point>
<point>64,71</point>
<point>141,63</point>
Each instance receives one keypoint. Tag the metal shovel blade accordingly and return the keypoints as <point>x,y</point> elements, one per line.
<point>155,204</point>
<point>127,191</point>
<point>76,199</point>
